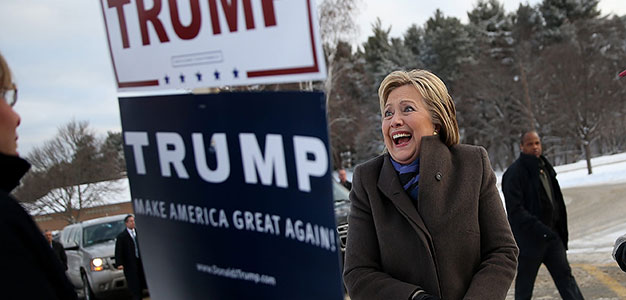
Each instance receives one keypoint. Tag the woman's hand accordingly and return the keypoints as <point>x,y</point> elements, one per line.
<point>425,296</point>
<point>422,295</point>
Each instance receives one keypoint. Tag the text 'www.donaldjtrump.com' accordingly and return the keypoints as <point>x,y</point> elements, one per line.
<point>237,274</point>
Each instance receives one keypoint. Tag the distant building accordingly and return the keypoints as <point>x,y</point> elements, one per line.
<point>113,203</point>
<point>57,221</point>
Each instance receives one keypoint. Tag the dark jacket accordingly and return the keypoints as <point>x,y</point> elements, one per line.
<point>456,244</point>
<point>125,256</point>
<point>60,253</point>
<point>523,193</point>
<point>347,184</point>
<point>31,268</point>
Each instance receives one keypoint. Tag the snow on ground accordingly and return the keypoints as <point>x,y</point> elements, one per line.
<point>609,169</point>
<point>597,242</point>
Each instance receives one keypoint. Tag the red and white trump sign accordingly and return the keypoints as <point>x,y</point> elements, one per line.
<point>184,44</point>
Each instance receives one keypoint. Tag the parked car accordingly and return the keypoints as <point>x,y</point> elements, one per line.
<point>342,210</point>
<point>90,250</point>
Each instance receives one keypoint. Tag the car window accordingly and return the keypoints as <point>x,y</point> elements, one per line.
<point>75,235</point>
<point>65,236</point>
<point>340,193</point>
<point>100,233</point>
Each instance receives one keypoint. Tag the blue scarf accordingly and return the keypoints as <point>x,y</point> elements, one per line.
<point>409,176</point>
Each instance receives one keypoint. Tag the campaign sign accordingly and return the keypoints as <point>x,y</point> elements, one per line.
<point>184,44</point>
<point>232,195</point>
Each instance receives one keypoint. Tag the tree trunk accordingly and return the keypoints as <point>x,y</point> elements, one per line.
<point>529,109</point>
<point>588,156</point>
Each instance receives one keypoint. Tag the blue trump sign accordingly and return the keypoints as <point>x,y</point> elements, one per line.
<point>232,195</point>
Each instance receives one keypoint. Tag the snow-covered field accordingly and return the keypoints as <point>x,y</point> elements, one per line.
<point>606,170</point>
<point>610,169</point>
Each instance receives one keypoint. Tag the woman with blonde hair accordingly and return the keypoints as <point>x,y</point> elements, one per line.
<point>32,269</point>
<point>426,220</point>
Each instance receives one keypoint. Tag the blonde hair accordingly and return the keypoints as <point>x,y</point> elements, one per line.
<point>435,95</point>
<point>6,81</point>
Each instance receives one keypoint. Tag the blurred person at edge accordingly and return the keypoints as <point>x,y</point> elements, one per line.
<point>31,268</point>
<point>619,249</point>
<point>58,249</point>
<point>426,219</point>
<point>343,179</point>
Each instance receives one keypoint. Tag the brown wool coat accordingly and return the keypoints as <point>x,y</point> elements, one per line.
<point>457,244</point>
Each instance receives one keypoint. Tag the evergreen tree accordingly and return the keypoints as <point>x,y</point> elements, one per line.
<point>559,12</point>
<point>446,46</point>
<point>413,41</point>
<point>491,26</point>
<point>377,52</point>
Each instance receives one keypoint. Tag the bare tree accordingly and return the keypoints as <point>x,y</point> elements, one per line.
<point>338,29</point>
<point>580,83</point>
<point>337,23</point>
<point>70,172</point>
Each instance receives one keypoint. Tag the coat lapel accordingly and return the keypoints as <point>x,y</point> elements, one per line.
<point>389,185</point>
<point>435,168</point>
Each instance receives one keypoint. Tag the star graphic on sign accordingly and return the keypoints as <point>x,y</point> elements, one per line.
<point>236,73</point>
<point>199,76</point>
<point>217,74</point>
<point>167,79</point>
<point>182,78</point>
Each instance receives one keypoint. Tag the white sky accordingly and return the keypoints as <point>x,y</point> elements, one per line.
<point>59,56</point>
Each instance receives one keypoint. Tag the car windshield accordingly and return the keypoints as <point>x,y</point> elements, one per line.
<point>340,193</point>
<point>101,233</point>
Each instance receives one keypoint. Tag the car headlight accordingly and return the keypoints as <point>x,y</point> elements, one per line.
<point>97,264</point>
<point>342,211</point>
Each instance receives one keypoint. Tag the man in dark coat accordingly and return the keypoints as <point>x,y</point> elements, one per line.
<point>343,179</point>
<point>57,248</point>
<point>31,271</point>
<point>536,212</point>
<point>128,258</point>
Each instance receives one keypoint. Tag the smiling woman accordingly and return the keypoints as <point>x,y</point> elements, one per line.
<point>426,216</point>
<point>406,120</point>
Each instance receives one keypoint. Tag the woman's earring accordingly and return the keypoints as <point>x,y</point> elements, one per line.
<point>436,132</point>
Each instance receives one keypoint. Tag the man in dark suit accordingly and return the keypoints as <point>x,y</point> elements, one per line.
<point>57,248</point>
<point>343,179</point>
<point>127,258</point>
<point>536,212</point>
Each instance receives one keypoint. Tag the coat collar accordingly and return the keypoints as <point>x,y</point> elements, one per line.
<point>531,163</point>
<point>433,155</point>
<point>12,168</point>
